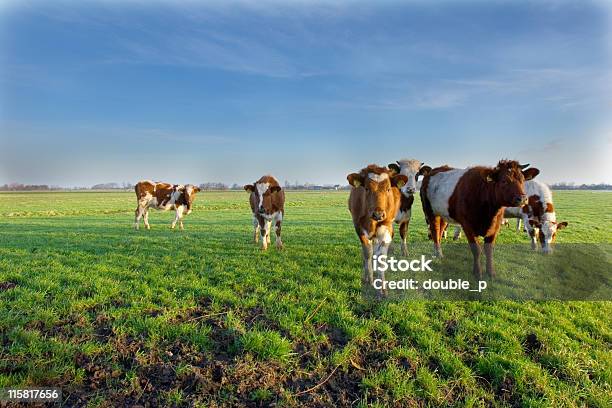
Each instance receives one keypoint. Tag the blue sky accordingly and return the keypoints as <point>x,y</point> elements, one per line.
<point>120,91</point>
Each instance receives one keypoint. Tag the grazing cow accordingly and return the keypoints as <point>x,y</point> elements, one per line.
<point>412,169</point>
<point>474,198</point>
<point>374,202</point>
<point>163,196</point>
<point>539,216</point>
<point>268,204</point>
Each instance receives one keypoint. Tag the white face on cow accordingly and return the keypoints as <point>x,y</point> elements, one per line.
<point>411,169</point>
<point>548,234</point>
<point>189,192</point>
<point>260,189</point>
<point>547,231</point>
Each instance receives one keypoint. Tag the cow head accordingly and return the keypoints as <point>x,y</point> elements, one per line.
<point>508,179</point>
<point>377,183</point>
<point>547,232</point>
<point>189,192</point>
<point>412,169</point>
<point>264,192</point>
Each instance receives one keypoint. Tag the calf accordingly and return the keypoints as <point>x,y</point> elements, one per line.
<point>374,202</point>
<point>539,216</point>
<point>267,201</point>
<point>474,198</point>
<point>412,169</point>
<point>163,196</point>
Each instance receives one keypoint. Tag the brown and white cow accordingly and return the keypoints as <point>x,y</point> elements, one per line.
<point>538,215</point>
<point>268,205</point>
<point>474,198</point>
<point>163,196</point>
<point>374,202</point>
<point>412,169</point>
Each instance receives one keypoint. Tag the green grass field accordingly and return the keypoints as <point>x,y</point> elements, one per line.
<point>118,317</point>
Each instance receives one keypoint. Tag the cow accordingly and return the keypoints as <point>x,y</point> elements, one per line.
<point>412,169</point>
<point>163,196</point>
<point>538,216</point>
<point>267,201</point>
<point>474,198</point>
<point>514,212</point>
<point>374,202</point>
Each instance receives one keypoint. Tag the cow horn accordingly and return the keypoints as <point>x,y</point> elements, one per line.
<point>398,163</point>
<point>523,166</point>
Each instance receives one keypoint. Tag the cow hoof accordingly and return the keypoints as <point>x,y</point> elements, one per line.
<point>279,246</point>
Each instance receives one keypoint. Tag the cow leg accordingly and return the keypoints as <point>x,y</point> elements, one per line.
<point>435,231</point>
<point>268,229</point>
<point>533,234</point>
<point>443,229</point>
<point>255,230</point>
<point>384,238</point>
<point>475,248</point>
<point>403,229</point>
<point>278,221</point>
<point>518,224</point>
<point>457,233</point>
<point>138,215</point>
<point>146,219</point>
<point>488,250</point>
<point>367,277</point>
<point>263,232</point>
<point>179,214</point>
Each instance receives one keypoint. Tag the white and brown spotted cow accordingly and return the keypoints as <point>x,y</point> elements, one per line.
<point>538,215</point>
<point>163,196</point>
<point>412,169</point>
<point>473,198</point>
<point>267,201</point>
<point>374,202</point>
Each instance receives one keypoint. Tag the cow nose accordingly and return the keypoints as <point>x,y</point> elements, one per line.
<point>261,210</point>
<point>378,215</point>
<point>410,190</point>
<point>520,200</point>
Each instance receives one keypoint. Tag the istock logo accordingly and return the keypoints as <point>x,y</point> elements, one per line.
<point>383,264</point>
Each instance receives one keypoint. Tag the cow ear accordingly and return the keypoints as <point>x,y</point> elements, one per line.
<point>196,189</point>
<point>355,179</point>
<point>395,169</point>
<point>249,187</point>
<point>424,170</point>
<point>399,180</point>
<point>275,189</point>
<point>561,225</point>
<point>531,173</point>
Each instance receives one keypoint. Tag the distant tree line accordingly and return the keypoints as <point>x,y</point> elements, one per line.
<point>28,187</point>
<point>222,186</point>
<point>113,186</point>
<point>572,186</point>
